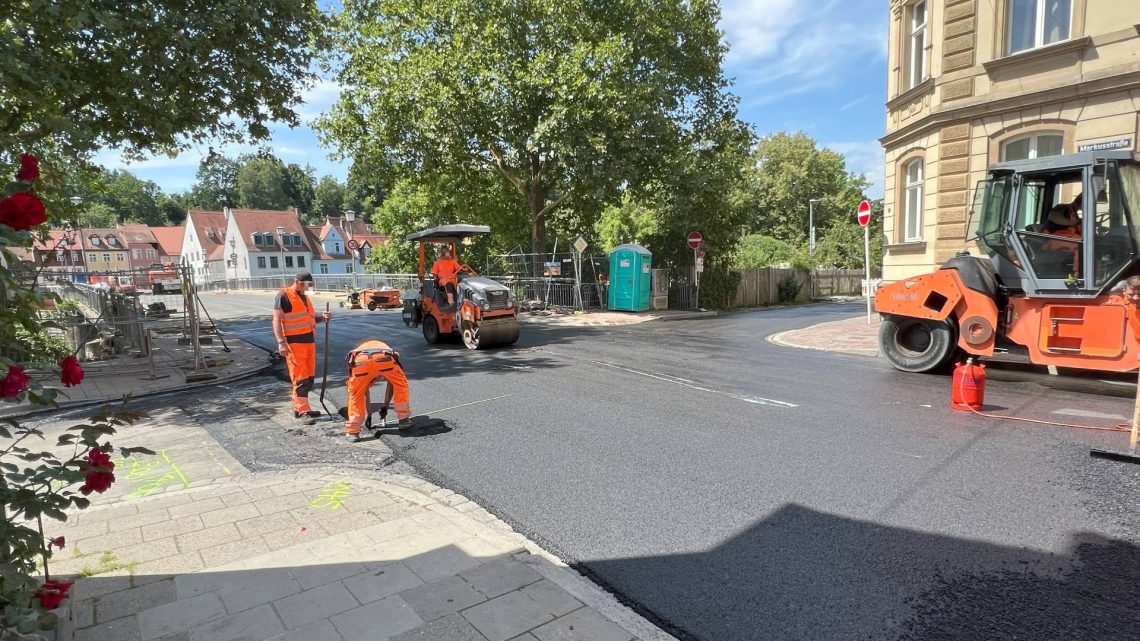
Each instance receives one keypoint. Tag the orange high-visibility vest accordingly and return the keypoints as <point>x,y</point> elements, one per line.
<point>299,324</point>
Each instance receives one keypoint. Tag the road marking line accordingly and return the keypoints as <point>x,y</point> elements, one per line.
<point>1090,414</point>
<point>756,400</point>
<point>455,407</point>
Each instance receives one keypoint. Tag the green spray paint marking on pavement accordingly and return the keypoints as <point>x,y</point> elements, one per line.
<point>151,475</point>
<point>330,496</point>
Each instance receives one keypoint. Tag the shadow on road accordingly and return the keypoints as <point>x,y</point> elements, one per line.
<point>803,574</point>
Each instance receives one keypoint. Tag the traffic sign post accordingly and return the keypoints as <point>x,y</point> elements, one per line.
<point>697,242</point>
<point>864,217</point>
<point>579,247</point>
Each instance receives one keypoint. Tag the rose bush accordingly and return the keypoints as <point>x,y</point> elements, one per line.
<point>36,484</point>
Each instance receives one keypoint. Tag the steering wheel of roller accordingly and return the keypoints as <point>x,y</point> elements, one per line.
<point>465,268</point>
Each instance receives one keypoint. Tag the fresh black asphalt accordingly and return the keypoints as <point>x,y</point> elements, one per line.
<point>729,488</point>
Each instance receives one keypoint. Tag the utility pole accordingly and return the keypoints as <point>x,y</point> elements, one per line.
<point>811,248</point>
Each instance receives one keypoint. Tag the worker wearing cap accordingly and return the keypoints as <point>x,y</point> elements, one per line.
<point>446,272</point>
<point>372,360</point>
<point>294,325</point>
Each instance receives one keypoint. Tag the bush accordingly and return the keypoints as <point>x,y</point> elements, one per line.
<point>788,288</point>
<point>718,288</point>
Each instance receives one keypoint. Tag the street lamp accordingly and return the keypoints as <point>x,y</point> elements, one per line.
<point>77,201</point>
<point>281,240</point>
<point>811,246</point>
<point>233,253</point>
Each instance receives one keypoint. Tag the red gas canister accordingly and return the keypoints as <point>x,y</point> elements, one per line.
<point>968,391</point>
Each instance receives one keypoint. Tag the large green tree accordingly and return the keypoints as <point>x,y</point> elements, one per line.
<point>300,183</point>
<point>565,101</point>
<point>150,75</point>
<point>329,197</point>
<point>790,170</point>
<point>131,198</point>
<point>262,183</point>
<point>215,185</point>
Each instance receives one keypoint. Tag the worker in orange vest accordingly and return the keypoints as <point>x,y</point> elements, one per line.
<point>446,272</point>
<point>370,361</point>
<point>294,325</point>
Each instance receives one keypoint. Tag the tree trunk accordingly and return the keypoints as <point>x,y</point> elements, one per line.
<point>537,198</point>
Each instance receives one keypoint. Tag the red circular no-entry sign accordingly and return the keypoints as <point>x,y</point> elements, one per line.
<point>864,213</point>
<point>695,239</point>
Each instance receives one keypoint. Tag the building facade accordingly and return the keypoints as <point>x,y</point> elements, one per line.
<point>266,243</point>
<point>202,245</point>
<point>106,254</point>
<point>974,83</point>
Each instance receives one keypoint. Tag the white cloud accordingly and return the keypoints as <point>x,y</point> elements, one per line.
<point>864,157</point>
<point>793,44</point>
<point>318,99</point>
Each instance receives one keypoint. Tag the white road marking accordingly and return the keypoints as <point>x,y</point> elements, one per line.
<point>455,407</point>
<point>1089,414</point>
<point>756,400</point>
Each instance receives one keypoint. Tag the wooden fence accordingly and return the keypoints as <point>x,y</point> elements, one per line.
<point>761,286</point>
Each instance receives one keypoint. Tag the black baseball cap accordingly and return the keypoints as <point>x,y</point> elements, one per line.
<point>305,277</point>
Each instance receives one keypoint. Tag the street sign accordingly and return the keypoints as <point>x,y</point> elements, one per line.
<point>864,216</point>
<point>696,240</point>
<point>353,245</point>
<point>700,264</point>
<point>233,256</point>
<point>864,213</point>
<point>580,245</point>
<point>701,253</point>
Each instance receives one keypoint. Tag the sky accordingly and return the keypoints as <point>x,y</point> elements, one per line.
<point>817,66</point>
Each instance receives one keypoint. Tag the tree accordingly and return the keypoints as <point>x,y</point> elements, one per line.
<point>765,251</point>
<point>150,76</point>
<point>564,100</point>
<point>328,198</point>
<point>790,170</point>
<point>130,198</point>
<point>215,185</point>
<point>98,216</point>
<point>173,208</point>
<point>262,183</point>
<point>630,221</point>
<point>299,187</point>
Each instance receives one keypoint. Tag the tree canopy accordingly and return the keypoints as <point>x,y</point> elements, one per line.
<point>150,76</point>
<point>564,101</point>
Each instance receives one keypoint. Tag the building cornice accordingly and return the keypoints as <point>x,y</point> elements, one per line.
<point>921,89</point>
<point>983,106</point>
<point>1033,55</point>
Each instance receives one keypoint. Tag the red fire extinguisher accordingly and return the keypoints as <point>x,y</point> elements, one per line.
<point>968,391</point>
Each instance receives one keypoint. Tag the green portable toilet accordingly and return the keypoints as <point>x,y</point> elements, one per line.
<point>630,275</point>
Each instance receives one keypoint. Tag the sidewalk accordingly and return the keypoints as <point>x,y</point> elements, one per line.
<point>190,546</point>
<point>108,380</point>
<point>849,336</point>
<point>609,319</point>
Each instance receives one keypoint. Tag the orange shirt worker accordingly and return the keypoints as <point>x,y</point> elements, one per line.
<point>371,361</point>
<point>446,272</point>
<point>294,325</point>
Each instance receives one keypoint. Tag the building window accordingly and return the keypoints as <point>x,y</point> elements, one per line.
<point>1034,146</point>
<point>106,258</point>
<point>324,268</point>
<point>75,257</point>
<point>273,264</point>
<point>300,261</point>
<point>136,254</point>
<point>119,256</point>
<point>348,268</point>
<point>261,262</point>
<point>916,56</point>
<point>1036,23</point>
<point>150,253</point>
<point>288,261</point>
<point>912,202</point>
<point>91,258</point>
<point>336,248</point>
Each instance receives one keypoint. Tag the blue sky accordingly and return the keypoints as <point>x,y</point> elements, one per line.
<point>818,66</point>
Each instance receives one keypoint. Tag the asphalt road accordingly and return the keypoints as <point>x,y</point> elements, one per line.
<point>732,489</point>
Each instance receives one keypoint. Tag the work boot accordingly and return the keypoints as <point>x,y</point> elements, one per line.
<point>405,424</point>
<point>314,413</point>
<point>304,418</point>
<point>354,438</point>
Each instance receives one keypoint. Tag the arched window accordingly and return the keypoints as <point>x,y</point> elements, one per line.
<point>912,201</point>
<point>1036,145</point>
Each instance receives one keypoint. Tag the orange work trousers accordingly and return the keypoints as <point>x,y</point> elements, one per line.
<point>370,361</point>
<point>302,361</point>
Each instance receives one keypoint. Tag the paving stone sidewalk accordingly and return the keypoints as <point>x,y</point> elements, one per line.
<point>188,545</point>
<point>849,336</point>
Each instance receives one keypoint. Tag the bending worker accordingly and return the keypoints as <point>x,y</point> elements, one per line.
<point>446,272</point>
<point>294,325</point>
<point>371,360</point>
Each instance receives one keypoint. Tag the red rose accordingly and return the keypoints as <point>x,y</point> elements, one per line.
<point>22,210</point>
<point>72,373</point>
<point>57,542</point>
<point>99,474</point>
<point>14,382</point>
<point>29,168</point>
<point>51,593</point>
